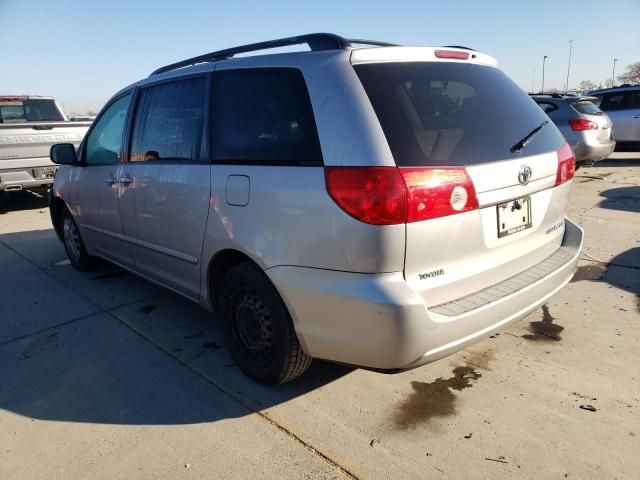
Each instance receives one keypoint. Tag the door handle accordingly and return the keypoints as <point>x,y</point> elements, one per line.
<point>125,180</point>
<point>636,116</point>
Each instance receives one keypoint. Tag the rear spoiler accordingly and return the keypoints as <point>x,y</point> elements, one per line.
<point>582,99</point>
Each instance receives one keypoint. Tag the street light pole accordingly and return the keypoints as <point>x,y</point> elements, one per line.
<point>566,85</point>
<point>613,74</point>
<point>544,59</point>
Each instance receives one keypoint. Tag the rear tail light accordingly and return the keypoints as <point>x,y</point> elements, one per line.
<point>389,195</point>
<point>452,54</point>
<point>438,192</point>
<point>375,195</point>
<point>566,164</point>
<point>581,124</point>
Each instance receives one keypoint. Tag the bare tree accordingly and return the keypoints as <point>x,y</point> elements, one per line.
<point>631,74</point>
<point>587,85</point>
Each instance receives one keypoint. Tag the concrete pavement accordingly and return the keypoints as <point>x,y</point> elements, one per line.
<point>105,375</point>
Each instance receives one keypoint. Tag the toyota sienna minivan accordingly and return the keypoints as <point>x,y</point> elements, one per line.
<point>381,206</point>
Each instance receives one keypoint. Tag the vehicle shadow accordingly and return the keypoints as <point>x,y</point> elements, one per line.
<point>622,198</point>
<point>22,200</point>
<point>152,358</point>
<point>623,271</point>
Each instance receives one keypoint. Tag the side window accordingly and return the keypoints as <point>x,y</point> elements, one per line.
<point>547,106</point>
<point>632,99</point>
<point>263,115</point>
<point>105,140</point>
<point>612,101</point>
<point>168,122</point>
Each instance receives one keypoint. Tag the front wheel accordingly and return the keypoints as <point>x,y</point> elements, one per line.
<point>258,329</point>
<point>73,244</point>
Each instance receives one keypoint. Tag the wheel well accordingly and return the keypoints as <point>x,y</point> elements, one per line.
<point>219,266</point>
<point>57,207</point>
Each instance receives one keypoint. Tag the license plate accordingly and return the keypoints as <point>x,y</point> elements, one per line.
<point>47,172</point>
<point>514,216</point>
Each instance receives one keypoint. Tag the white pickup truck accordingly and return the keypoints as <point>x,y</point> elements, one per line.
<point>29,125</point>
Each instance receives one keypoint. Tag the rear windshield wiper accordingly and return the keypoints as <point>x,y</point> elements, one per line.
<point>525,141</point>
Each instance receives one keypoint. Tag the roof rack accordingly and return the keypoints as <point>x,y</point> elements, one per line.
<point>316,42</point>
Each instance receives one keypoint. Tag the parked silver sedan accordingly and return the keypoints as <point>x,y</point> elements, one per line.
<point>588,129</point>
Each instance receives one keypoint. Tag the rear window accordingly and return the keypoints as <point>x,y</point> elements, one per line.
<point>450,114</point>
<point>31,110</point>
<point>586,107</point>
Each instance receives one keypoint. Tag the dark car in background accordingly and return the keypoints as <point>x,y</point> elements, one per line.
<point>587,128</point>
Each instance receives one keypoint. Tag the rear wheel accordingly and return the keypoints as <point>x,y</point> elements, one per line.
<point>74,245</point>
<point>258,329</point>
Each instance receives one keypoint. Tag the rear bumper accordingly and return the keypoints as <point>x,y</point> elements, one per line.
<point>586,152</point>
<point>26,178</point>
<point>379,321</point>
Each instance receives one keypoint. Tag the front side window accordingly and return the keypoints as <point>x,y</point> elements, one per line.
<point>168,122</point>
<point>104,142</point>
<point>263,115</point>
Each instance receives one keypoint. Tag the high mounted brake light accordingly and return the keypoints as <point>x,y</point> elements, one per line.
<point>454,54</point>
<point>14,98</point>
<point>390,195</point>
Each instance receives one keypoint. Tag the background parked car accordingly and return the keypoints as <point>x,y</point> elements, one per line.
<point>29,125</point>
<point>622,104</point>
<point>586,127</point>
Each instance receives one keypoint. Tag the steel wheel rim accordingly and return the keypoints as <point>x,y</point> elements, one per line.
<point>71,239</point>
<point>253,327</point>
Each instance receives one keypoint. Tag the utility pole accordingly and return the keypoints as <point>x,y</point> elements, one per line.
<point>544,59</point>
<point>613,74</point>
<point>566,85</point>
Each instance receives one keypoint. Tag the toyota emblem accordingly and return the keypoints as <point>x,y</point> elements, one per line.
<point>524,175</point>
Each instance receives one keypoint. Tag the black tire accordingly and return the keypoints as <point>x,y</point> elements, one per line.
<point>258,329</point>
<point>73,244</point>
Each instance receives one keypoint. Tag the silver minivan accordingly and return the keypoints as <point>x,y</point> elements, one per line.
<point>380,206</point>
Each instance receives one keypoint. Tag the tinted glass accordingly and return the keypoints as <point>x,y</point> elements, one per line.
<point>612,101</point>
<point>633,99</point>
<point>168,122</point>
<point>105,139</point>
<point>32,110</point>
<point>586,107</point>
<point>546,106</point>
<point>437,113</point>
<point>263,115</point>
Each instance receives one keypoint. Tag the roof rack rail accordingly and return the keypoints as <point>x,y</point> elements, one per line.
<point>316,41</point>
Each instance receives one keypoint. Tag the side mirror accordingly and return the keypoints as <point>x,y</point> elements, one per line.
<point>63,154</point>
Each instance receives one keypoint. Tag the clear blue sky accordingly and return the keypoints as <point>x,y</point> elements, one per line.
<point>82,51</point>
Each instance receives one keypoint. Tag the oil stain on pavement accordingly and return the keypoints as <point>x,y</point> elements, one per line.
<point>544,330</point>
<point>434,399</point>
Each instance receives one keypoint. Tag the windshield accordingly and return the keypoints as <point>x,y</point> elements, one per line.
<point>30,110</point>
<point>450,114</point>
